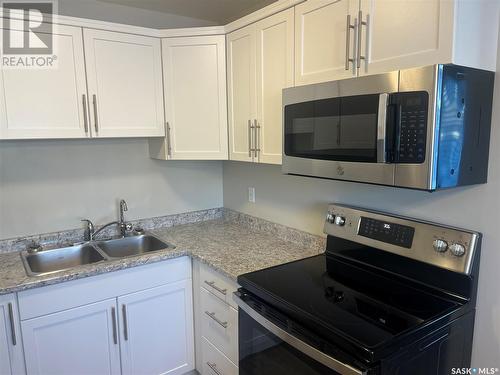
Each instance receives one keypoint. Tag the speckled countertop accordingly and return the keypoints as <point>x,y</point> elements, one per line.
<point>230,247</point>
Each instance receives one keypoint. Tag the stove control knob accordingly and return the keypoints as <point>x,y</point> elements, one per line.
<point>440,246</point>
<point>457,249</point>
<point>330,217</point>
<point>340,221</point>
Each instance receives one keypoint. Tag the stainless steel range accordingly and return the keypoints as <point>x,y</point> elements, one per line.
<point>391,295</point>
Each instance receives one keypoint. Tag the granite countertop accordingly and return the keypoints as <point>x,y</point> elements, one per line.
<point>231,248</point>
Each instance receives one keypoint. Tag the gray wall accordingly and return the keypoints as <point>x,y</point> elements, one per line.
<point>301,203</point>
<point>48,186</point>
<point>97,10</point>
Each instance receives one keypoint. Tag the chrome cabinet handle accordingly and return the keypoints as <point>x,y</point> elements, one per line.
<point>115,333</point>
<point>214,368</point>
<point>85,116</point>
<point>212,284</point>
<point>218,321</point>
<point>257,138</point>
<point>169,144</point>
<point>348,43</point>
<point>361,23</point>
<point>125,323</point>
<point>96,116</point>
<point>12,324</point>
<point>250,138</point>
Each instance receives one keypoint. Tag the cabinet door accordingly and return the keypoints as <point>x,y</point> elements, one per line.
<point>405,33</point>
<point>321,40</point>
<point>125,84</point>
<point>156,330</point>
<point>82,340</point>
<point>47,102</point>
<point>11,352</point>
<point>195,96</point>
<point>275,62</point>
<point>241,92</point>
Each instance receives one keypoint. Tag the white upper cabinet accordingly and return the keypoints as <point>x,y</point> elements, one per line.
<point>274,73</point>
<point>241,69</point>
<point>323,41</point>
<point>402,34</point>
<point>260,65</point>
<point>47,102</point>
<point>11,352</point>
<point>194,71</point>
<point>125,84</point>
<point>336,39</point>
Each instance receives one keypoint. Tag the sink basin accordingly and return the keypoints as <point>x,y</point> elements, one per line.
<point>49,261</point>
<point>129,246</point>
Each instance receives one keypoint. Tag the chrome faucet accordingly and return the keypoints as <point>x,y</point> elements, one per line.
<point>123,225</point>
<point>90,232</point>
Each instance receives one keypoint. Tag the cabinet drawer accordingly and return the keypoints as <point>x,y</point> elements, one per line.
<point>219,324</point>
<point>218,284</point>
<point>214,362</point>
<point>71,294</point>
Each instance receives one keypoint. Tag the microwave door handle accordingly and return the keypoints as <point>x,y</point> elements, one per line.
<point>382,128</point>
<point>330,362</point>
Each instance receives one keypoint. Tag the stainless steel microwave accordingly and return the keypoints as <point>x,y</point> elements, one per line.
<point>426,128</point>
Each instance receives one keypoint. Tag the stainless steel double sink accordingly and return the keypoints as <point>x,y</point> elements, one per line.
<point>55,260</point>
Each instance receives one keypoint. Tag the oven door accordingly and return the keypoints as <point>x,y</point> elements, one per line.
<point>265,348</point>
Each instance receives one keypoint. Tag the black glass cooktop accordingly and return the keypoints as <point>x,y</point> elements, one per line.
<point>365,307</point>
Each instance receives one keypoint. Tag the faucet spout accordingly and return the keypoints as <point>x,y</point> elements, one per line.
<point>122,224</point>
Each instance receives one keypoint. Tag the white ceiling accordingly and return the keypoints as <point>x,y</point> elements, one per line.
<point>217,11</point>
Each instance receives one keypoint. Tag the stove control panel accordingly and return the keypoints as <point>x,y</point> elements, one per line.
<point>436,244</point>
<point>385,231</point>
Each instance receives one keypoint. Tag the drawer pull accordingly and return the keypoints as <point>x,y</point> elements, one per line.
<point>212,284</point>
<point>12,324</point>
<point>214,368</point>
<point>212,315</point>
<point>115,333</point>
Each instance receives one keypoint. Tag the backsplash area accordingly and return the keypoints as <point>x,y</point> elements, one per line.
<point>49,186</point>
<point>68,237</point>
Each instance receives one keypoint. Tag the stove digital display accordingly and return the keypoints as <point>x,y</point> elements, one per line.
<point>394,234</point>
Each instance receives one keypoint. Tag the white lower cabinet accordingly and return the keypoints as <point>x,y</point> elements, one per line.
<point>11,346</point>
<point>154,336</point>
<point>77,341</point>
<point>216,322</point>
<point>214,362</point>
<point>142,323</point>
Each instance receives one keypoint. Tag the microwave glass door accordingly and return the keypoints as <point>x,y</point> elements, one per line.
<point>342,129</point>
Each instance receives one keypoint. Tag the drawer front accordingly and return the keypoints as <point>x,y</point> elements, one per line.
<point>214,362</point>
<point>218,284</point>
<point>219,324</point>
<point>71,294</point>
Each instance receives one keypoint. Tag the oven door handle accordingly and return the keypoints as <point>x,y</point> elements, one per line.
<point>381,128</point>
<point>317,355</point>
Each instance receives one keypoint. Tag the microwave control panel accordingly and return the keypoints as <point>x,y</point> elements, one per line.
<point>412,132</point>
